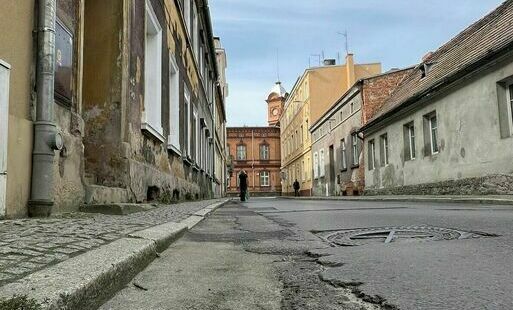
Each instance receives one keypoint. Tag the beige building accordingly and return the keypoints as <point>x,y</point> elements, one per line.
<point>313,94</point>
<point>113,103</point>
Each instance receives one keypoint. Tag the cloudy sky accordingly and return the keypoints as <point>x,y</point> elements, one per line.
<point>396,33</point>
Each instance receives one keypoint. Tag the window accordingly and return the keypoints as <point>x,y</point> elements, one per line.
<point>187,116</point>
<point>241,152</point>
<point>384,149</point>
<point>264,178</point>
<point>321,163</point>
<point>409,141</point>
<point>351,107</point>
<point>431,133</point>
<point>511,101</point>
<point>354,142</point>
<point>151,117</point>
<point>174,105</point>
<point>316,165</point>
<point>195,133</point>
<point>343,154</point>
<point>372,155</point>
<point>63,64</point>
<point>187,13</point>
<point>195,32</point>
<point>264,152</point>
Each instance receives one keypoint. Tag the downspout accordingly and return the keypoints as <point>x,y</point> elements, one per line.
<point>46,138</point>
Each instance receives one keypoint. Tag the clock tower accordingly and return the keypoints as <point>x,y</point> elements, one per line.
<point>275,104</point>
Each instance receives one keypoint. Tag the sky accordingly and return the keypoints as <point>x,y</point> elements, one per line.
<point>261,36</point>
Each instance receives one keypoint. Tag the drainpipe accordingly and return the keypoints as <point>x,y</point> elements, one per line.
<point>46,138</point>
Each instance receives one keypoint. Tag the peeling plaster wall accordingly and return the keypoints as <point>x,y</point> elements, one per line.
<point>469,138</point>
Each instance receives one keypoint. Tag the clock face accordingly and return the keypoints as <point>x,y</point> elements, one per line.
<point>275,112</point>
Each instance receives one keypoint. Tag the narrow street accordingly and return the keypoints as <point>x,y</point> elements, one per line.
<point>289,254</point>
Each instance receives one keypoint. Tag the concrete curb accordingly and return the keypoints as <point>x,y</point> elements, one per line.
<point>470,200</point>
<point>88,280</point>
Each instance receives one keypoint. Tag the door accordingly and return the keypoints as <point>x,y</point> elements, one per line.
<point>4,117</point>
<point>332,171</point>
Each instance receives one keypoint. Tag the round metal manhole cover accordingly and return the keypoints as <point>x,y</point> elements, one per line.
<point>387,235</point>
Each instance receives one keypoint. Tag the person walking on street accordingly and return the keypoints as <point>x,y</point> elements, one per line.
<point>243,185</point>
<point>296,188</point>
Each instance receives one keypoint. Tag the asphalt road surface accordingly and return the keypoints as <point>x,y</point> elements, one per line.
<point>290,254</point>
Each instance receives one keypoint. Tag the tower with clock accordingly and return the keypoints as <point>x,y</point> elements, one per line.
<point>275,104</point>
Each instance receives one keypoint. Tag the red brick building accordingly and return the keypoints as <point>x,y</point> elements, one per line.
<point>257,150</point>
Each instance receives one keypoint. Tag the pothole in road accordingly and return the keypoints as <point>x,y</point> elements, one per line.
<point>386,235</point>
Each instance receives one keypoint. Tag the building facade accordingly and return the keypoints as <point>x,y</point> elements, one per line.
<point>121,110</point>
<point>313,94</point>
<point>448,128</point>
<point>257,150</point>
<point>221,152</point>
<point>336,144</point>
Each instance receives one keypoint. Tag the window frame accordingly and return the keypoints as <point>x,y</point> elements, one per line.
<point>384,151</point>
<point>187,112</point>
<point>410,148</point>
<point>343,151</point>
<point>509,89</point>
<point>174,106</point>
<point>151,121</point>
<point>322,164</point>
<point>316,165</point>
<point>244,148</point>
<point>372,155</point>
<point>265,149</point>
<point>355,150</point>
<point>433,134</point>
<point>265,175</point>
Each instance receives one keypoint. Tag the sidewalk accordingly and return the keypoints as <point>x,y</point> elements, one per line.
<point>29,245</point>
<point>489,200</point>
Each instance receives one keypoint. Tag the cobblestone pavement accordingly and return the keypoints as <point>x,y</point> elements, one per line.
<point>27,245</point>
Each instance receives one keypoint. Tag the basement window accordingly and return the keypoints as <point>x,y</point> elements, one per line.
<point>151,118</point>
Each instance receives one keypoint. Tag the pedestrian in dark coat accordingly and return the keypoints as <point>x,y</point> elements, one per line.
<point>296,188</point>
<point>243,185</point>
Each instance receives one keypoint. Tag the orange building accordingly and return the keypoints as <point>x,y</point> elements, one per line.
<point>257,150</point>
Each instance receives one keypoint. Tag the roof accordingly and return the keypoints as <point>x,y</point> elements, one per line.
<point>478,44</point>
<point>279,90</point>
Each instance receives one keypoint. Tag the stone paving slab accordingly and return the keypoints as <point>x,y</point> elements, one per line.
<point>28,245</point>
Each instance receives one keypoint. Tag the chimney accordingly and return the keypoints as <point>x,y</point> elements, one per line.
<point>351,79</point>
<point>330,62</point>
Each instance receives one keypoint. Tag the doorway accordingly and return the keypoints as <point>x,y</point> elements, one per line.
<point>332,171</point>
<point>4,118</point>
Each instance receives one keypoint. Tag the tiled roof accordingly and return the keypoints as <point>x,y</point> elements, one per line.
<point>482,40</point>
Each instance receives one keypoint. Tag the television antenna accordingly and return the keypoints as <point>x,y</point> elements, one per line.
<point>346,36</point>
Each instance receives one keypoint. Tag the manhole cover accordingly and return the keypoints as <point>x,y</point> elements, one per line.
<point>386,235</point>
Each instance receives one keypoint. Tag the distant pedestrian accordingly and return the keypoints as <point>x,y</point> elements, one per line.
<point>296,188</point>
<point>243,185</point>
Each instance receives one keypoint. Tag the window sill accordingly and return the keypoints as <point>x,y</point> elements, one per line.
<point>187,160</point>
<point>343,170</point>
<point>147,128</point>
<point>355,166</point>
<point>174,149</point>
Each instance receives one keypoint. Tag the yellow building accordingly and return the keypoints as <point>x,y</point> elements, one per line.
<point>313,94</point>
